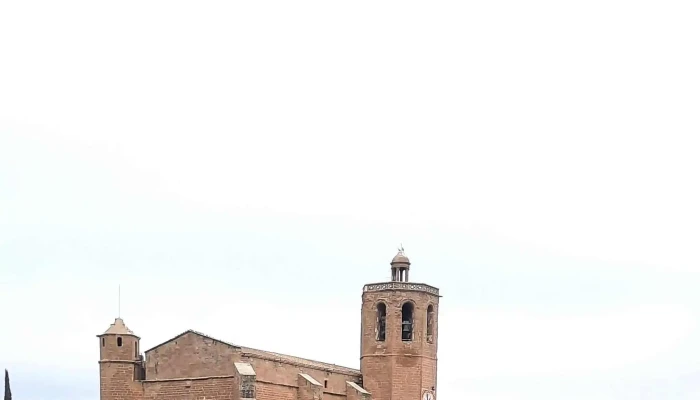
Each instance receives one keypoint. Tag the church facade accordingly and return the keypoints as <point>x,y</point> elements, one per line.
<point>398,357</point>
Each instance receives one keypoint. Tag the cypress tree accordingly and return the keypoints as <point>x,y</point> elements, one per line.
<point>8,393</point>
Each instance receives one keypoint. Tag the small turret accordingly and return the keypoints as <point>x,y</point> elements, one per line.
<point>121,365</point>
<point>119,343</point>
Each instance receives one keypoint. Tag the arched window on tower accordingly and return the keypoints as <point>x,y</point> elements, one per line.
<point>407,322</point>
<point>429,324</point>
<point>381,322</point>
<point>119,342</point>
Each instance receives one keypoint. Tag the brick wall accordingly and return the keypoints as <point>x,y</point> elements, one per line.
<point>117,382</point>
<point>286,374</point>
<point>271,391</point>
<point>191,355</point>
<point>332,396</point>
<point>429,373</point>
<point>191,389</point>
<point>226,388</point>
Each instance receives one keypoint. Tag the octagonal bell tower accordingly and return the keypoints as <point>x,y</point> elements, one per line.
<point>399,336</point>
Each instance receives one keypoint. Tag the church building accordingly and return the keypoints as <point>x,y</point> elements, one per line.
<point>398,357</point>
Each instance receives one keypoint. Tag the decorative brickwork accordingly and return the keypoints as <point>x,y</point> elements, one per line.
<point>418,287</point>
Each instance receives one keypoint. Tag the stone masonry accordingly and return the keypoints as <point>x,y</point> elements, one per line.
<point>398,358</point>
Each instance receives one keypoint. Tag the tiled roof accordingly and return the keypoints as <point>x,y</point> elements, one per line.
<point>272,356</point>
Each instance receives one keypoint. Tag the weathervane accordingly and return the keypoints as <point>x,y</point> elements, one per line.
<point>401,248</point>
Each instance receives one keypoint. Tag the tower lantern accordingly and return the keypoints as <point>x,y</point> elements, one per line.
<point>400,266</point>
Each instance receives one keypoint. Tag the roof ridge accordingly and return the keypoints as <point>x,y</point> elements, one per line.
<point>251,349</point>
<point>186,332</point>
<point>299,358</point>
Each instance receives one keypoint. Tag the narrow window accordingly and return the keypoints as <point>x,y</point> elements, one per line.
<point>407,322</point>
<point>103,342</point>
<point>325,383</point>
<point>429,325</point>
<point>247,388</point>
<point>381,322</point>
<point>119,342</point>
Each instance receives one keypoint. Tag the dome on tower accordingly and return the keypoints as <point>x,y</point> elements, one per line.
<point>118,328</point>
<point>400,258</point>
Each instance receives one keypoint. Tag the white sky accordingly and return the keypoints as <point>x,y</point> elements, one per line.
<point>538,160</point>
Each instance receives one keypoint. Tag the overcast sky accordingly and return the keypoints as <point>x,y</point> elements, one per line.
<point>537,159</point>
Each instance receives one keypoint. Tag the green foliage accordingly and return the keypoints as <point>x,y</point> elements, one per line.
<point>8,393</point>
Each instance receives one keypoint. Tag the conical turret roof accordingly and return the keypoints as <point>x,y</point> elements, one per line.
<point>118,328</point>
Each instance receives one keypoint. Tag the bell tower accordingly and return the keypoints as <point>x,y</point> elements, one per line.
<point>399,336</point>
